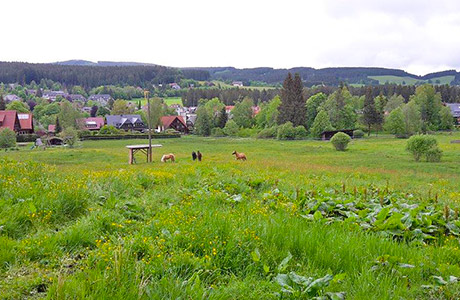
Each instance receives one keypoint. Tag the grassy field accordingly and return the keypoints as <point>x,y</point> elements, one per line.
<point>167,100</point>
<point>409,80</point>
<point>82,223</point>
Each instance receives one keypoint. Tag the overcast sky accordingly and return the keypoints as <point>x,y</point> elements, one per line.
<point>420,36</point>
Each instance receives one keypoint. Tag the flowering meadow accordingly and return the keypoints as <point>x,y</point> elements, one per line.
<point>297,220</point>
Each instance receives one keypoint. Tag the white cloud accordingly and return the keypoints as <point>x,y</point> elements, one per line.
<point>419,36</point>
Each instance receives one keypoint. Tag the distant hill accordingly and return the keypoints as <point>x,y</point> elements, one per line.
<point>330,76</point>
<point>88,73</point>
<point>78,62</point>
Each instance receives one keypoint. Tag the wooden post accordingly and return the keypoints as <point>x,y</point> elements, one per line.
<point>130,156</point>
<point>149,151</point>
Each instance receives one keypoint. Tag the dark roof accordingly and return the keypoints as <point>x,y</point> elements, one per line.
<point>454,109</point>
<point>100,96</point>
<point>77,97</point>
<point>119,120</point>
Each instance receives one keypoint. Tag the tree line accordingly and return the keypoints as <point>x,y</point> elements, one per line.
<point>297,111</point>
<point>93,76</point>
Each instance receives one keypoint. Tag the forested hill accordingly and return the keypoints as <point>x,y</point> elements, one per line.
<point>92,74</point>
<point>87,75</point>
<point>327,76</point>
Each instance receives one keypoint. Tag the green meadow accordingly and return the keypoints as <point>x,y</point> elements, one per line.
<point>297,220</point>
<point>410,81</point>
<point>167,101</point>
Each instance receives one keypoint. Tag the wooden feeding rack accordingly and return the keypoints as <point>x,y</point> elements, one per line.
<point>133,149</point>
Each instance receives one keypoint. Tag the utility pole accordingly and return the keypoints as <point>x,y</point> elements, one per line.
<point>146,95</point>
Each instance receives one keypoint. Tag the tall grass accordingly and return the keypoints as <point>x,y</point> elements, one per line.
<point>78,229</point>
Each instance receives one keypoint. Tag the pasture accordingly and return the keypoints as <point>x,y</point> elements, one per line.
<point>410,81</point>
<point>167,100</point>
<point>82,223</point>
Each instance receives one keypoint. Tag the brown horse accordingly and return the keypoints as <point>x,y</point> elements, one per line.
<point>169,156</point>
<point>239,156</point>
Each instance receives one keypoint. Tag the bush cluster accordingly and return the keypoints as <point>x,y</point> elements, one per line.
<point>358,133</point>
<point>288,132</point>
<point>424,145</point>
<point>7,138</point>
<point>340,141</point>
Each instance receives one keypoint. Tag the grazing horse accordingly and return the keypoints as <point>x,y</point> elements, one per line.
<point>169,156</point>
<point>239,156</point>
<point>200,156</point>
<point>194,155</point>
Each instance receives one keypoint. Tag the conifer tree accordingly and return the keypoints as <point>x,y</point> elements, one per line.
<point>2,103</point>
<point>292,108</point>
<point>222,118</point>
<point>58,128</point>
<point>285,108</point>
<point>370,115</point>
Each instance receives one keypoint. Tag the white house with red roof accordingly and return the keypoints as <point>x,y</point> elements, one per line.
<point>93,123</point>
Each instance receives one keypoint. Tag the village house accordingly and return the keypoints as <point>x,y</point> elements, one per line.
<point>76,97</point>
<point>11,98</point>
<point>26,123</point>
<point>20,123</point>
<point>237,83</point>
<point>229,108</point>
<point>91,124</point>
<point>455,110</point>
<point>52,95</point>
<point>9,119</point>
<point>126,122</point>
<point>102,99</point>
<point>31,92</point>
<point>174,86</point>
<point>51,129</point>
<point>86,109</point>
<point>174,122</point>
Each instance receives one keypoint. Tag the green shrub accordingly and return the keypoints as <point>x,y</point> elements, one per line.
<point>231,128</point>
<point>70,136</point>
<point>247,132</point>
<point>169,130</point>
<point>300,132</point>
<point>268,133</point>
<point>286,132</point>
<point>26,138</point>
<point>7,138</point>
<point>419,145</point>
<point>358,133</point>
<point>434,155</point>
<point>109,129</point>
<point>340,141</point>
<point>82,133</point>
<point>217,131</point>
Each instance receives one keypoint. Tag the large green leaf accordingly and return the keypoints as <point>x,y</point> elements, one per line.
<point>284,263</point>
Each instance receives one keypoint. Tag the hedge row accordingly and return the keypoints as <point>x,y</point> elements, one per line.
<point>128,136</point>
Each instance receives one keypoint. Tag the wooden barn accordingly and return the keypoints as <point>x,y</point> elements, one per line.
<point>327,135</point>
<point>174,122</point>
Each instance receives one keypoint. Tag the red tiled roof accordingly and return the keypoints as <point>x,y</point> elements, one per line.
<point>26,121</point>
<point>51,128</point>
<point>8,119</point>
<point>229,107</point>
<point>167,120</point>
